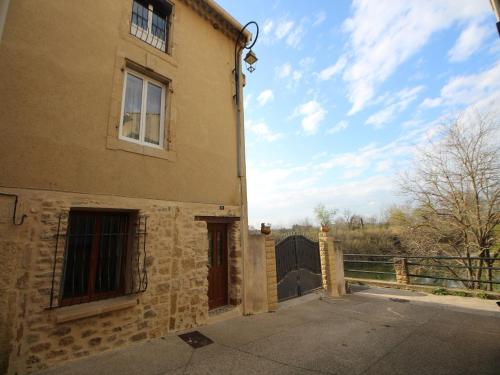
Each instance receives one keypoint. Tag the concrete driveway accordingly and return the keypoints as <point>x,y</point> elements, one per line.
<point>363,333</point>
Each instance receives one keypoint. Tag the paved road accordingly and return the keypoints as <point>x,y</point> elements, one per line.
<point>363,333</point>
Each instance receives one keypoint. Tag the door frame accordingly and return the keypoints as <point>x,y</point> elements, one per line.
<point>225,225</point>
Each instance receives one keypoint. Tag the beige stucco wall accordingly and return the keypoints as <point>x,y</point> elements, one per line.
<point>34,337</point>
<point>61,73</point>
<point>62,65</point>
<point>255,275</point>
<point>261,293</point>
<point>332,265</point>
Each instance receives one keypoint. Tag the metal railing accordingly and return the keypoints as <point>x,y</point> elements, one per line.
<point>447,268</point>
<point>115,270</point>
<point>150,26</point>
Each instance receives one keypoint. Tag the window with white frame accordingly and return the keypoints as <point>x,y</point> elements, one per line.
<point>143,110</point>
<point>150,22</point>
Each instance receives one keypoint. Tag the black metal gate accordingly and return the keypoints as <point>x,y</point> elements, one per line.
<point>298,266</point>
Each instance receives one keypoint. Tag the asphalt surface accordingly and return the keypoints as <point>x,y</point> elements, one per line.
<point>372,331</point>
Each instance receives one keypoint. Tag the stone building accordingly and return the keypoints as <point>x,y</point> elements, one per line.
<point>119,181</point>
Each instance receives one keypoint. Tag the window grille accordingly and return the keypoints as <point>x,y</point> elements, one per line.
<point>104,257</point>
<point>150,22</point>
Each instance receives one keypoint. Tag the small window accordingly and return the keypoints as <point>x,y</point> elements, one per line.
<point>150,22</point>
<point>95,257</point>
<point>143,110</point>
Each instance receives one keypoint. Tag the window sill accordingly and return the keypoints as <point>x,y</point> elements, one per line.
<point>166,56</point>
<point>113,143</point>
<point>75,312</point>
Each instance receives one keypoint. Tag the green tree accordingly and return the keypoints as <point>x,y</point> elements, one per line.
<point>324,215</point>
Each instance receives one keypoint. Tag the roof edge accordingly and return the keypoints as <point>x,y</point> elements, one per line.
<point>225,14</point>
<point>219,18</point>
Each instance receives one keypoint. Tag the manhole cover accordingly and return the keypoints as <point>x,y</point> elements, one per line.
<point>196,339</point>
<point>399,300</point>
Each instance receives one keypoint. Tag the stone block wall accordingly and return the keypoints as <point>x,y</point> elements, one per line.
<point>261,294</point>
<point>332,266</point>
<point>176,297</point>
<point>401,269</point>
<point>235,264</point>
<point>272,287</point>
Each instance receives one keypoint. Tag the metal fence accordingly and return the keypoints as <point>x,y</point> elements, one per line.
<point>431,269</point>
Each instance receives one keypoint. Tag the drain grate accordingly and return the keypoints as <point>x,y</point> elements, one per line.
<point>401,300</point>
<point>196,339</point>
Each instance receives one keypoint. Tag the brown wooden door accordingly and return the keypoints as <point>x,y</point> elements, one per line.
<point>217,265</point>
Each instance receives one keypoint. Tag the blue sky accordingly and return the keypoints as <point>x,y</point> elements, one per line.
<point>344,93</point>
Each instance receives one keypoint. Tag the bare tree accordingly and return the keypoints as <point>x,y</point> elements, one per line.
<point>347,215</point>
<point>455,187</point>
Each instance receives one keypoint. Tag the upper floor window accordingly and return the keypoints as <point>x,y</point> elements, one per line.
<point>150,22</point>
<point>143,110</point>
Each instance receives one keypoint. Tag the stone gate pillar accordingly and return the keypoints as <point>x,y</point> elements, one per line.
<point>261,290</point>
<point>332,266</point>
<point>272,286</point>
<point>401,268</point>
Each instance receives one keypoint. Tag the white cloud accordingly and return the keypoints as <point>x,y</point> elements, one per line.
<point>341,125</point>
<point>262,131</point>
<point>319,155</point>
<point>469,41</point>
<point>306,62</point>
<point>268,26</point>
<point>329,72</point>
<point>431,103</point>
<point>319,18</point>
<point>365,157</point>
<point>282,193</point>
<point>296,75</point>
<point>286,30</point>
<point>312,114</point>
<point>482,87</point>
<point>395,104</point>
<point>265,97</point>
<point>284,70</point>
<point>384,34</point>
<point>295,36</point>
<point>283,28</point>
<point>383,166</point>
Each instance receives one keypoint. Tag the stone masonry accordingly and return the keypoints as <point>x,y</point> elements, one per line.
<point>272,288</point>
<point>401,269</point>
<point>332,266</point>
<point>33,336</point>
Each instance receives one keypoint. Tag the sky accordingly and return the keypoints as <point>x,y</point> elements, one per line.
<point>344,92</point>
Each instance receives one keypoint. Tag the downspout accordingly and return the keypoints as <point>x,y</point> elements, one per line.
<point>240,151</point>
<point>241,176</point>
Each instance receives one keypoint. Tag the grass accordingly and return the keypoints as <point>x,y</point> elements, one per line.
<point>460,293</point>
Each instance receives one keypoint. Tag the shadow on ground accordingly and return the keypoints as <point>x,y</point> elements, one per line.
<point>357,334</point>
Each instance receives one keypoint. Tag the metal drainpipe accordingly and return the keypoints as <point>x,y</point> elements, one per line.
<point>240,144</point>
<point>241,177</point>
